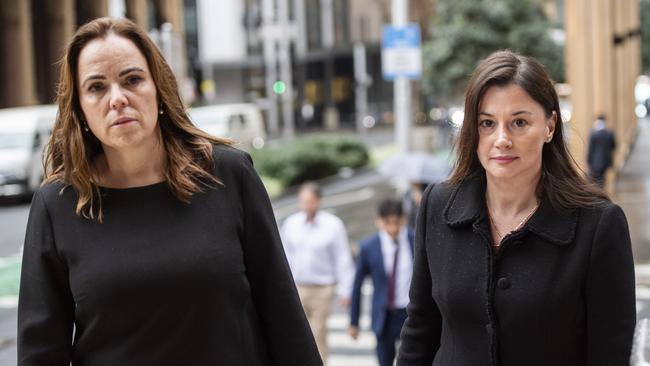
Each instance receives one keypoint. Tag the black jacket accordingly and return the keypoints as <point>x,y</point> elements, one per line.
<point>560,291</point>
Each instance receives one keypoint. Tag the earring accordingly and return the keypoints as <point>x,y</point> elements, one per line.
<point>161,110</point>
<point>549,139</point>
<point>86,129</point>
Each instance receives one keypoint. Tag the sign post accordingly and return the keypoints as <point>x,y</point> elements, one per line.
<point>401,57</point>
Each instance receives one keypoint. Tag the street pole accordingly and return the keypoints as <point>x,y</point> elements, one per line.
<point>361,86</point>
<point>401,86</point>
<point>330,113</point>
<point>284,59</point>
<point>270,64</point>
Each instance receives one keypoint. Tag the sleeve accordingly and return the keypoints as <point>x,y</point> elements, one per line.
<point>610,292</point>
<point>421,332</point>
<point>286,243</point>
<point>344,263</point>
<point>360,274</point>
<point>45,305</point>
<point>288,336</point>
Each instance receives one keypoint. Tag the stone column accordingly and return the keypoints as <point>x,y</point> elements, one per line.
<point>136,10</point>
<point>17,83</point>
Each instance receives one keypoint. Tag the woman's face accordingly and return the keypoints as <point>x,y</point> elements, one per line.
<point>116,93</point>
<point>512,131</point>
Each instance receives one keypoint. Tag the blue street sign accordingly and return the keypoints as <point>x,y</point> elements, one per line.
<point>401,54</point>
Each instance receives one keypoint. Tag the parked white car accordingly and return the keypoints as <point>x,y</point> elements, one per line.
<point>24,133</point>
<point>242,122</point>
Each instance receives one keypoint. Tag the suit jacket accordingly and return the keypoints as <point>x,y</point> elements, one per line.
<point>601,147</point>
<point>370,261</point>
<point>559,292</point>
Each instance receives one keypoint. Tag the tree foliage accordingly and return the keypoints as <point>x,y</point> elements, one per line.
<point>466,31</point>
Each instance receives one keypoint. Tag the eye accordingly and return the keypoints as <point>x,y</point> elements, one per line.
<point>95,87</point>
<point>133,80</point>
<point>520,123</point>
<point>486,123</point>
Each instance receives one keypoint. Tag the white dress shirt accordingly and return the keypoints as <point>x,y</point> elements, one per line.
<point>318,252</point>
<point>404,264</point>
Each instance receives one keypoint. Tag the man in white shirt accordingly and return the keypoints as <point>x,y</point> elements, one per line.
<point>387,257</point>
<point>316,245</point>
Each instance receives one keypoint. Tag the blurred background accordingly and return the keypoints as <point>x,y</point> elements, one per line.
<point>332,90</point>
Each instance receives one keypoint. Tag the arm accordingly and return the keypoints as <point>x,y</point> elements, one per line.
<point>46,306</point>
<point>421,332</point>
<point>360,274</point>
<point>344,264</point>
<point>610,294</point>
<point>288,336</point>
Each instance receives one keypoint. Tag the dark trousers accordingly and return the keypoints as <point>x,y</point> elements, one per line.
<point>390,335</point>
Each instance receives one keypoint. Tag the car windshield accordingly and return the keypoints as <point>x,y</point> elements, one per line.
<point>15,141</point>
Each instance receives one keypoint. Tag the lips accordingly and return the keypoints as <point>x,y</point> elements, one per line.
<point>122,121</point>
<point>504,159</point>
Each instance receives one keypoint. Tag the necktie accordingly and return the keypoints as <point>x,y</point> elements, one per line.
<point>392,278</point>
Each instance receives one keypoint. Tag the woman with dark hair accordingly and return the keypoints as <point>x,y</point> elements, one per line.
<point>150,242</point>
<point>518,260</point>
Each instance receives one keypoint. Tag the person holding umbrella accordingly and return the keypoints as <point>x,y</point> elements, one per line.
<point>519,260</point>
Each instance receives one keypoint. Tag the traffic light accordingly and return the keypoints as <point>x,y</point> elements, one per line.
<point>279,87</point>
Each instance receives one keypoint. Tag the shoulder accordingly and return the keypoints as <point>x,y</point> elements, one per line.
<point>54,192</point>
<point>604,214</point>
<point>330,218</point>
<point>226,156</point>
<point>436,196</point>
<point>370,241</point>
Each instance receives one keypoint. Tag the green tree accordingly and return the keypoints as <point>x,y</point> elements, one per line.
<point>466,31</point>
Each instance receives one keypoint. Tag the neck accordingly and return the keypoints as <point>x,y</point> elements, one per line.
<point>509,198</point>
<point>133,167</point>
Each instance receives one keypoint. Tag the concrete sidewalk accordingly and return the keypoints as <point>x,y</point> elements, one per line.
<point>632,193</point>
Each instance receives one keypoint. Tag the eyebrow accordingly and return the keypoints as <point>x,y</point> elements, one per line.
<point>102,77</point>
<point>514,114</point>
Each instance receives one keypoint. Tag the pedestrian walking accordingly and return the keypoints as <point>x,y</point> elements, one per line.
<point>518,259</point>
<point>316,244</point>
<point>151,242</point>
<point>387,257</point>
<point>602,144</point>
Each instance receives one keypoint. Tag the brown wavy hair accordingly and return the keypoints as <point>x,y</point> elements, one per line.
<point>562,181</point>
<point>69,159</point>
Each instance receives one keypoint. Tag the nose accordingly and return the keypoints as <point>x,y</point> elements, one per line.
<point>118,98</point>
<point>503,138</point>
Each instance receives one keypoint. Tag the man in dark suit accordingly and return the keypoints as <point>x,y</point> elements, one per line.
<point>601,147</point>
<point>387,257</point>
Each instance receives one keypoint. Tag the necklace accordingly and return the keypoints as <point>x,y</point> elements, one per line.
<point>521,223</point>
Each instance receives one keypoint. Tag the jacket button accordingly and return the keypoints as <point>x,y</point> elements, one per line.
<point>489,329</point>
<point>503,283</point>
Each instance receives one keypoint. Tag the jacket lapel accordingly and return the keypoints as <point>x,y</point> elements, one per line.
<point>466,205</point>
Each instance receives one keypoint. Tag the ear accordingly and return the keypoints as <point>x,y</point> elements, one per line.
<point>550,126</point>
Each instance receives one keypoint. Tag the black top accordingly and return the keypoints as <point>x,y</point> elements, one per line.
<point>559,292</point>
<point>161,282</point>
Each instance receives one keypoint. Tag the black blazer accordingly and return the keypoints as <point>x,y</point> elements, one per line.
<point>559,292</point>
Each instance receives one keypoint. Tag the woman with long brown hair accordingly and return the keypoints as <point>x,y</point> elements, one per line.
<point>150,242</point>
<point>518,260</point>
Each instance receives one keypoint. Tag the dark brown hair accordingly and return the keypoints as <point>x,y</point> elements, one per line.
<point>69,159</point>
<point>562,181</point>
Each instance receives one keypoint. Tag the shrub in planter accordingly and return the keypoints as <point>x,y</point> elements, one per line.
<point>310,158</point>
